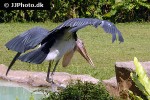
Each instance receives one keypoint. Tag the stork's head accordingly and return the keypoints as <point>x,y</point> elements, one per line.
<point>81,49</point>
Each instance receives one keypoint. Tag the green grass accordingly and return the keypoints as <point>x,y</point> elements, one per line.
<point>98,44</point>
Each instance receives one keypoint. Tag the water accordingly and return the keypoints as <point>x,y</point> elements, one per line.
<point>14,91</point>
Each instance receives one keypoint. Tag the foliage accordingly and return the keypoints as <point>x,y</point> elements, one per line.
<point>64,9</point>
<point>134,97</point>
<point>141,79</point>
<point>23,15</point>
<point>81,91</point>
<point>60,10</point>
<point>129,10</point>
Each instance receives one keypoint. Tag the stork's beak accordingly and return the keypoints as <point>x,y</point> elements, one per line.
<point>81,49</point>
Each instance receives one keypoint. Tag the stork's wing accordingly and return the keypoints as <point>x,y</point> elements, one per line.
<point>34,36</point>
<point>77,23</point>
<point>27,40</point>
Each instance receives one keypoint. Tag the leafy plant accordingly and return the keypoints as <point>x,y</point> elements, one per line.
<point>141,79</point>
<point>81,91</point>
<point>60,10</point>
<point>129,10</point>
<point>134,97</point>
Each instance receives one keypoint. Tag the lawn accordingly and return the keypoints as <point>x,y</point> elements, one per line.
<point>98,44</point>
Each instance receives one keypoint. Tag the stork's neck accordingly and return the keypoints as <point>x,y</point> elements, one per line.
<point>67,35</point>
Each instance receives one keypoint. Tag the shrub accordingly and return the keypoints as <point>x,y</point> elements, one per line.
<point>61,10</point>
<point>81,91</point>
<point>129,10</point>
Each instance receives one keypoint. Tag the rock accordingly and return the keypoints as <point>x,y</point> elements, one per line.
<point>125,83</point>
<point>37,79</point>
<point>111,86</point>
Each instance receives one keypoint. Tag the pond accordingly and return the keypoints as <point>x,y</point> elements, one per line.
<point>15,91</point>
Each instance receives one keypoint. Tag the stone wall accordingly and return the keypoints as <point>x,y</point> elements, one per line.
<point>117,86</point>
<point>122,82</point>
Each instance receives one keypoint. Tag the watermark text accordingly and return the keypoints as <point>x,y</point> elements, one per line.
<point>25,5</point>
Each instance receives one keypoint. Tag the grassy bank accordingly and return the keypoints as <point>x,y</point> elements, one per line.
<point>103,53</point>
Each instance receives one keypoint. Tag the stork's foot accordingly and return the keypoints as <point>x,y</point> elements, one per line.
<point>49,80</point>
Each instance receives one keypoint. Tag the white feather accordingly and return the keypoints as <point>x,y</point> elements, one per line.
<point>60,47</point>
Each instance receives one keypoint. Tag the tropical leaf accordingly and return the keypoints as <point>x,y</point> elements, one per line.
<point>141,79</point>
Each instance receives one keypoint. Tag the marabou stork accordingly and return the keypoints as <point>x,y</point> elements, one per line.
<point>59,42</point>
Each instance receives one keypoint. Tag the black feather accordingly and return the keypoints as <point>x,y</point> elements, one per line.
<point>12,62</point>
<point>27,40</point>
<point>38,56</point>
<point>35,56</point>
<point>77,23</point>
<point>111,28</point>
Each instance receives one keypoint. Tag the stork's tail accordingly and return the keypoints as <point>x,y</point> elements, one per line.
<point>36,56</point>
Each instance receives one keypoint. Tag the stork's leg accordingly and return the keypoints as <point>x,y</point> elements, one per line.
<point>48,79</point>
<point>54,67</point>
